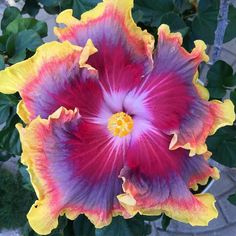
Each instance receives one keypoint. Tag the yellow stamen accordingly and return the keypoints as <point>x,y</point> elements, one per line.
<point>120,124</point>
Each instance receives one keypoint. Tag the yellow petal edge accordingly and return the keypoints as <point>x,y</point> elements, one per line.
<point>227,116</point>
<point>122,6</point>
<point>197,217</point>
<point>14,78</point>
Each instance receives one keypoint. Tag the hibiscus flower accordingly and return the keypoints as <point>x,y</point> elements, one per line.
<point>112,126</point>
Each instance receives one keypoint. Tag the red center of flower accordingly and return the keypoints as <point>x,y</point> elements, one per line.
<point>120,124</point>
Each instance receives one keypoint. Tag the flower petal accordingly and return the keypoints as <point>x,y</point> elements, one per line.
<point>57,75</point>
<point>176,102</point>
<point>157,180</point>
<point>203,120</point>
<point>74,167</point>
<point>123,55</point>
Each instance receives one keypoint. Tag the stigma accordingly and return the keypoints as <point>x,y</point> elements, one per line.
<point>120,124</point>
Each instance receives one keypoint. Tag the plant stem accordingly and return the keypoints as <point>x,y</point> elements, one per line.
<point>222,22</point>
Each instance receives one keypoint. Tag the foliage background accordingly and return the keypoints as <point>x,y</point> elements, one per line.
<point>22,33</point>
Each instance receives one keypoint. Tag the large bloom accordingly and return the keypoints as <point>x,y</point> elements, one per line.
<point>110,124</point>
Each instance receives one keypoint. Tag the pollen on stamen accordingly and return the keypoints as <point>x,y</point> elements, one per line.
<point>120,124</point>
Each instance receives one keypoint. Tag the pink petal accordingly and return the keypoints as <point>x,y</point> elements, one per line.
<point>174,101</point>
<point>74,167</point>
<point>157,180</point>
<point>124,50</point>
<point>57,75</point>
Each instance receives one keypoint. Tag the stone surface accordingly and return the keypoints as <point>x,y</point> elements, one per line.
<point>229,230</point>
<point>51,22</point>
<point>228,209</point>
<point>232,173</point>
<point>10,233</point>
<point>228,55</point>
<point>182,228</point>
<point>222,186</point>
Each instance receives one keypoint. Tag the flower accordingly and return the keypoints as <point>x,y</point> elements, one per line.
<point>110,123</point>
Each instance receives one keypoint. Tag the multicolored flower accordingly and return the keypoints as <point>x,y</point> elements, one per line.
<point>110,123</point>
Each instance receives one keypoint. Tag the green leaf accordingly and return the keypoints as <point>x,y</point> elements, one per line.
<point>165,221</point>
<point>49,3</point>
<point>56,6</point>
<point>233,99</point>
<point>2,67</point>
<point>205,23</point>
<point>226,73</point>
<point>83,227</point>
<point>188,42</point>
<point>230,81</point>
<point>10,45</point>
<point>4,155</point>
<point>10,14</point>
<point>15,201</point>
<point>3,41</point>
<point>182,5</point>
<point>18,44</point>
<point>232,199</point>
<point>7,102</point>
<point>26,183</point>
<point>118,226</point>
<point>27,39</point>
<point>28,231</point>
<point>10,137</point>
<point>66,4</point>
<point>59,231</point>
<point>122,227</point>
<point>22,24</point>
<point>5,108</point>
<point>52,10</point>
<point>150,218</point>
<point>138,226</point>
<point>69,229</point>
<point>31,7</point>
<point>175,22</point>
<point>219,77</point>
<point>153,10</point>
<point>20,56</point>
<point>137,15</point>
<point>80,6</point>
<point>223,146</point>
<point>230,32</point>
<point>14,57</point>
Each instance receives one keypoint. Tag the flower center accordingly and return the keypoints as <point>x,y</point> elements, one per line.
<point>120,124</point>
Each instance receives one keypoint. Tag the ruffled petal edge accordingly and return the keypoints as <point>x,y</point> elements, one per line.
<point>206,200</point>
<point>224,116</point>
<point>46,207</point>
<point>199,51</point>
<point>16,77</point>
<point>194,184</point>
<point>122,6</point>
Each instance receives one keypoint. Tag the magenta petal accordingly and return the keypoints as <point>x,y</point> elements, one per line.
<point>61,82</point>
<point>74,166</point>
<point>174,101</point>
<point>157,180</point>
<point>124,50</point>
<point>56,75</point>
